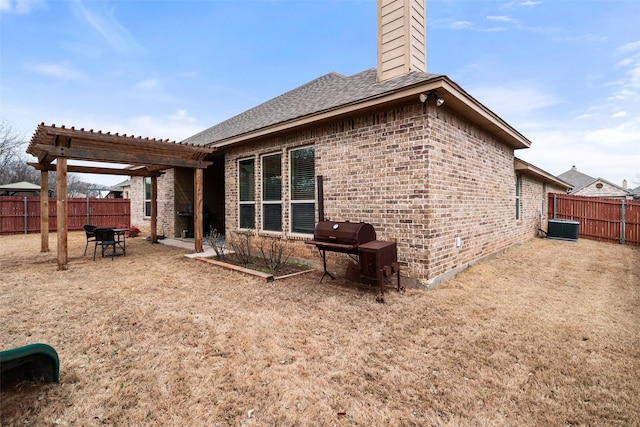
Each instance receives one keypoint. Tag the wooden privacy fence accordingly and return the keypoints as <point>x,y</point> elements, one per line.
<point>22,214</point>
<point>611,220</point>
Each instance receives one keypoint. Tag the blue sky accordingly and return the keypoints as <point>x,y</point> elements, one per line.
<point>565,73</point>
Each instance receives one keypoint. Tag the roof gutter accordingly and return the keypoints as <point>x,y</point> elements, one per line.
<point>455,99</point>
<point>529,169</point>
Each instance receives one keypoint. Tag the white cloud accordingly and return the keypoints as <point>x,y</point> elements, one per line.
<point>585,116</point>
<point>516,99</point>
<point>461,25</point>
<point>182,116</point>
<point>466,25</point>
<point>177,126</point>
<point>621,136</point>
<point>502,18</point>
<point>590,37</point>
<point>629,47</point>
<point>629,83</point>
<point>148,84</point>
<point>527,3</point>
<point>624,62</point>
<point>609,153</point>
<point>106,24</point>
<point>62,71</point>
<point>619,114</point>
<point>20,7</point>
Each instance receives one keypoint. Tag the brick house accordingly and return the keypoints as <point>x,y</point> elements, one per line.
<point>408,151</point>
<point>585,185</point>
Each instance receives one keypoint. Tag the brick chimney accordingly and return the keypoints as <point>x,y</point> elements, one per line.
<point>402,37</point>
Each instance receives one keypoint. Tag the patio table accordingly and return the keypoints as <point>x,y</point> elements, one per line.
<point>122,233</point>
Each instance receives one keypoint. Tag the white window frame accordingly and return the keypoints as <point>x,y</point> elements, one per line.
<point>518,197</point>
<point>144,191</point>
<point>263,202</point>
<point>247,202</point>
<point>305,201</point>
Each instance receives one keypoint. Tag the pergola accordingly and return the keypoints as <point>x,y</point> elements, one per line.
<point>151,156</point>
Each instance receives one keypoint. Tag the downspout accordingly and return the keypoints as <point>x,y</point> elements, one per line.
<point>320,190</point>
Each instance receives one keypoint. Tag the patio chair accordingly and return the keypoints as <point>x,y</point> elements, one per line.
<point>91,236</point>
<point>105,237</point>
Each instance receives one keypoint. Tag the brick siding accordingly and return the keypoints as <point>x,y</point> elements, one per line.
<point>441,188</point>
<point>166,204</point>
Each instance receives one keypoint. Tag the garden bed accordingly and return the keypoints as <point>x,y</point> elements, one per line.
<point>256,268</point>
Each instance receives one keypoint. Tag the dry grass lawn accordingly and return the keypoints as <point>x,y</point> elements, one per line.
<point>547,334</point>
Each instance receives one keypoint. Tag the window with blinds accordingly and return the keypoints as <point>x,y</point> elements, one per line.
<point>246,194</point>
<point>303,188</point>
<point>147,196</point>
<point>272,192</point>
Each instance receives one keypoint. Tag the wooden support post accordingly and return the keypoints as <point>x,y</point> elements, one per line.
<point>44,211</point>
<point>197,209</point>
<point>154,209</point>
<point>61,215</point>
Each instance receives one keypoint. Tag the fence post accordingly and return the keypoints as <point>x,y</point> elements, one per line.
<point>554,206</point>
<point>622,223</point>
<point>25,215</point>
<point>87,221</point>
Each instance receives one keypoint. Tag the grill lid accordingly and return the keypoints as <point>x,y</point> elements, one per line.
<point>344,233</point>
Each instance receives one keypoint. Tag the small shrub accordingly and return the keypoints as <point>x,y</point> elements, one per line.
<point>216,241</point>
<point>240,242</point>
<point>133,230</point>
<point>274,252</point>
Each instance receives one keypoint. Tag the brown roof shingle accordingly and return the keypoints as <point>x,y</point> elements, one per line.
<point>327,92</point>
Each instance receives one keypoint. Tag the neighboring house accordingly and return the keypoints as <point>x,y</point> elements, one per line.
<point>585,185</point>
<point>22,188</point>
<point>439,178</point>
<point>121,190</point>
<point>636,193</point>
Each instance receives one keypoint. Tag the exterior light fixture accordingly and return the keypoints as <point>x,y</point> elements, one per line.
<point>425,96</point>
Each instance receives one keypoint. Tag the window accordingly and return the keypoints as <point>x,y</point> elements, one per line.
<point>303,188</point>
<point>272,192</point>
<point>518,196</point>
<point>246,194</point>
<point>147,196</point>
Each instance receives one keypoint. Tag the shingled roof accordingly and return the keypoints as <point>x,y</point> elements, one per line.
<point>575,178</point>
<point>325,93</point>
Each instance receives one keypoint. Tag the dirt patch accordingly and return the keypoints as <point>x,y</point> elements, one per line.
<point>545,334</point>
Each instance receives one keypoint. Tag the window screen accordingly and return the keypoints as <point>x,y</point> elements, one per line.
<point>246,194</point>
<point>272,192</point>
<point>302,190</point>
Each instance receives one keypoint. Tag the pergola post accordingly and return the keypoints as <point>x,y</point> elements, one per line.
<point>44,211</point>
<point>197,209</point>
<point>154,209</point>
<point>61,214</point>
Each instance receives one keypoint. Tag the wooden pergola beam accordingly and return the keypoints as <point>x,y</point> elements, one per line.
<point>100,171</point>
<point>117,156</point>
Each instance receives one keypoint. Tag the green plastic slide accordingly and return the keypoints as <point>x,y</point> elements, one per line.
<point>35,362</point>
